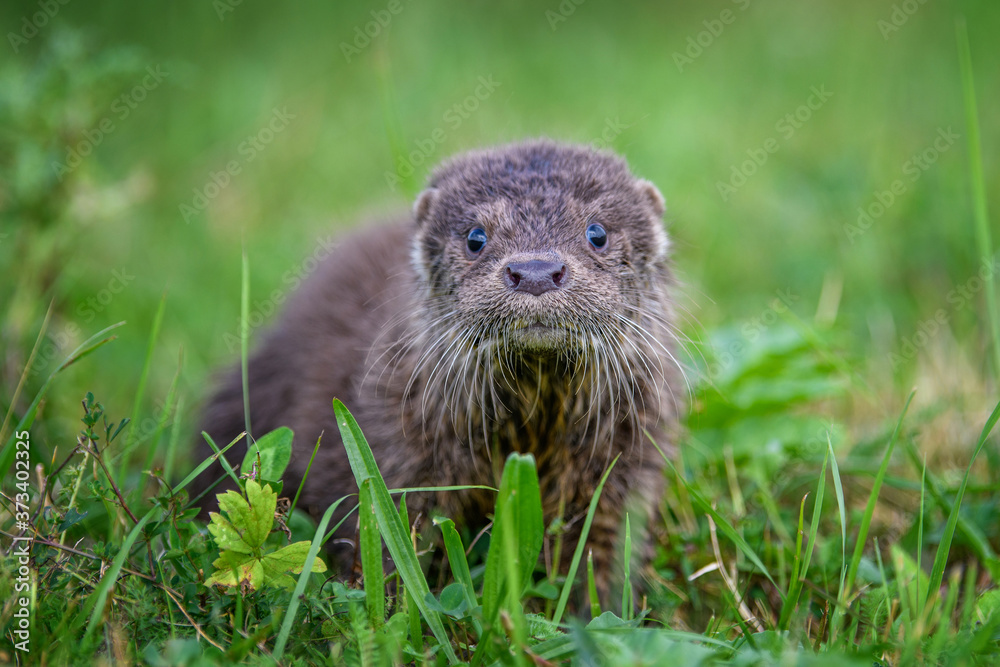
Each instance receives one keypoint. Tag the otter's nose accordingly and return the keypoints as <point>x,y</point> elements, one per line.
<point>535,276</point>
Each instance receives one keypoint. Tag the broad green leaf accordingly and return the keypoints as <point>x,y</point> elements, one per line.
<point>233,569</point>
<point>288,560</point>
<point>275,450</point>
<point>227,536</point>
<point>519,511</point>
<point>249,522</point>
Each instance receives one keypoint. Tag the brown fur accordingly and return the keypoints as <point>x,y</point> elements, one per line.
<point>434,359</point>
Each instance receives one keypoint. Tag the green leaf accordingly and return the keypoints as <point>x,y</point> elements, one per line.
<point>241,536</point>
<point>291,559</point>
<point>275,450</point>
<point>233,569</point>
<point>249,523</point>
<point>518,518</point>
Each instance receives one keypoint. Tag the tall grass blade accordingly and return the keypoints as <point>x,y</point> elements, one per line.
<point>517,521</point>
<point>580,545</point>
<point>627,565</point>
<point>595,601</point>
<point>95,604</point>
<point>245,342</point>
<point>866,519</point>
<point>371,557</point>
<point>140,391</point>
<point>983,238</point>
<point>843,596</point>
<point>941,558</point>
<point>300,585</point>
<point>27,370</point>
<point>459,565</point>
<point>727,529</point>
<point>28,418</point>
<point>395,534</point>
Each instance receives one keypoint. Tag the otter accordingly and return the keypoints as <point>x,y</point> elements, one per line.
<point>525,305</point>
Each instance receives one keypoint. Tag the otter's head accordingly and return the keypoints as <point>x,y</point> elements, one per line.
<point>538,247</point>
<point>541,255</point>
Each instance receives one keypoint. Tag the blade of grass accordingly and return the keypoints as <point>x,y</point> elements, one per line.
<point>413,615</point>
<point>727,529</point>
<point>27,370</point>
<point>941,558</point>
<point>842,597</point>
<point>394,533</point>
<point>95,605</point>
<point>517,520</point>
<point>972,533</point>
<point>371,557</point>
<point>245,341</point>
<point>627,564</point>
<point>459,564</point>
<point>140,391</point>
<point>944,630</point>
<point>300,586</point>
<point>983,239</point>
<point>866,519</point>
<point>298,492</point>
<point>795,589</point>
<point>87,347</point>
<point>168,406</point>
<point>595,601</point>
<point>921,594</point>
<point>581,543</point>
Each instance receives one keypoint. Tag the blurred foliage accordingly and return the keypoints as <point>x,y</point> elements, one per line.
<point>824,240</point>
<point>610,73</point>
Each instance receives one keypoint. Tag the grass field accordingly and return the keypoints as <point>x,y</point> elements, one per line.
<point>830,171</point>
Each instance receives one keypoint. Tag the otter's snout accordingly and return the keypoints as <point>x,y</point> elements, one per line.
<point>535,276</point>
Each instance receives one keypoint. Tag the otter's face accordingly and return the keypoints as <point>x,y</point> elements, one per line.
<point>547,251</point>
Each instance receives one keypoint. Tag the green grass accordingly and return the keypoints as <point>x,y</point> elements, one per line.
<point>819,509</point>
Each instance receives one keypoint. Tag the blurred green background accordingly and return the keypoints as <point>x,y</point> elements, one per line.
<point>115,116</point>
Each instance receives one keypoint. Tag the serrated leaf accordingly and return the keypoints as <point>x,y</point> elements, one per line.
<point>290,559</point>
<point>233,569</point>
<point>226,535</point>
<point>249,522</point>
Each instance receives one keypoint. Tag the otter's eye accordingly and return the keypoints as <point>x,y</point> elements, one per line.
<point>476,241</point>
<point>597,236</point>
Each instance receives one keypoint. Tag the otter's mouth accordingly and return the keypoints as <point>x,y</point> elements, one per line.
<point>539,335</point>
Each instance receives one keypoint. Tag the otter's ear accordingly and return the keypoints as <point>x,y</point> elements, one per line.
<point>422,207</point>
<point>649,191</point>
